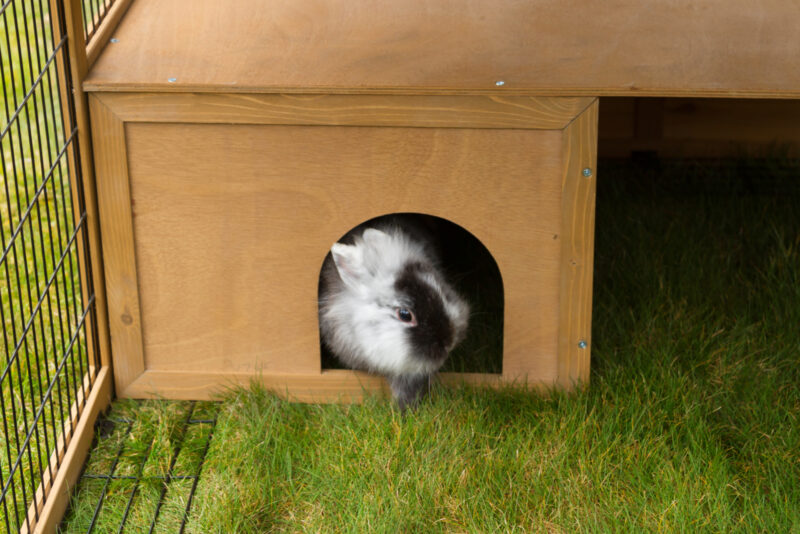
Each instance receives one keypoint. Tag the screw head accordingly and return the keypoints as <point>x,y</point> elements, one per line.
<point>172,80</point>
<point>499,83</point>
<point>587,172</point>
<point>582,344</point>
<point>114,40</point>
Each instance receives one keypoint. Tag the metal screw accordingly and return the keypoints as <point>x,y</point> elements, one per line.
<point>172,80</point>
<point>582,344</point>
<point>587,172</point>
<point>114,40</point>
<point>499,83</point>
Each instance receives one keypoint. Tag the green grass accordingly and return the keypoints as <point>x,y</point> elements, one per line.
<point>691,423</point>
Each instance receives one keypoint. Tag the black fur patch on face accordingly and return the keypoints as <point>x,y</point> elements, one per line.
<point>434,332</point>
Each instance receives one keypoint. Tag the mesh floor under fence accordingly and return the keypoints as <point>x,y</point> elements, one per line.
<point>144,468</point>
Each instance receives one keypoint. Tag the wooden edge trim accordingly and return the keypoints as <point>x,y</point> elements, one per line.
<point>588,91</point>
<point>119,261</point>
<point>59,449</point>
<point>348,110</point>
<point>73,18</point>
<point>72,454</point>
<point>107,27</point>
<point>579,151</point>
<point>338,385</point>
<point>92,224</point>
<point>91,232</point>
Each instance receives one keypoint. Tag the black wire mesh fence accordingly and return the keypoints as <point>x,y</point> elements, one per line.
<point>47,310</point>
<point>94,11</point>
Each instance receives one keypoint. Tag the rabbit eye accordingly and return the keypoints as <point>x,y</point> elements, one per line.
<point>405,315</point>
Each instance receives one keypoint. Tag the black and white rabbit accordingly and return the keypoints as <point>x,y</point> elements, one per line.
<point>386,307</point>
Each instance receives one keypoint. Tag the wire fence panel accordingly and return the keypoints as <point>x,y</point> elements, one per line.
<point>94,11</point>
<point>49,339</point>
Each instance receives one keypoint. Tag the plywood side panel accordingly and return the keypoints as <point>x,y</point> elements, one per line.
<point>232,224</point>
<point>577,250</point>
<point>541,113</point>
<point>545,47</point>
<point>114,204</point>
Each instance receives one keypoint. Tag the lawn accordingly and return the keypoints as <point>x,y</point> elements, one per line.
<point>691,422</point>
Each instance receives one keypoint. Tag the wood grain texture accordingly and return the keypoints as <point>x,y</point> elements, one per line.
<point>106,30</point>
<point>114,202</point>
<point>91,229</point>
<point>60,447</point>
<point>74,57</point>
<point>348,110</point>
<point>72,451</point>
<point>617,47</point>
<point>232,223</point>
<point>73,22</point>
<point>326,387</point>
<point>577,250</point>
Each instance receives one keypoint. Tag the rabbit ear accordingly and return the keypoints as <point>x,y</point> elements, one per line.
<point>349,260</point>
<point>375,238</point>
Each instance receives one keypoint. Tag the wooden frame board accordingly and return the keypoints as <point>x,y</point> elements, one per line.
<point>730,48</point>
<point>217,210</point>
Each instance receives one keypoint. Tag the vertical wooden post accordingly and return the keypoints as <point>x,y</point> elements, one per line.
<point>78,63</point>
<point>577,249</point>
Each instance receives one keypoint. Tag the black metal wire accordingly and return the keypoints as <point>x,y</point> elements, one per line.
<point>47,304</point>
<point>26,442</point>
<point>135,487</point>
<point>197,475</point>
<point>171,468</point>
<point>97,11</point>
<point>108,481</point>
<point>124,437</point>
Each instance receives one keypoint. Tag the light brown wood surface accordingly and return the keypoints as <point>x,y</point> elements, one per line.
<point>538,113</point>
<point>614,47</point>
<point>577,249</point>
<point>326,387</point>
<point>106,30</point>
<point>121,283</point>
<point>91,226</point>
<point>227,225</point>
<point>232,224</point>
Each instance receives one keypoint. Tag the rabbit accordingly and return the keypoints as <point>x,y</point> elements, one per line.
<point>386,307</point>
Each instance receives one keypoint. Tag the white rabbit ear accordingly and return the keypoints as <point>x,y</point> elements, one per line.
<point>349,260</point>
<point>375,238</point>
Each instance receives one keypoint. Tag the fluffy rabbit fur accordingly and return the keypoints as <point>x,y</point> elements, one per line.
<point>385,307</point>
